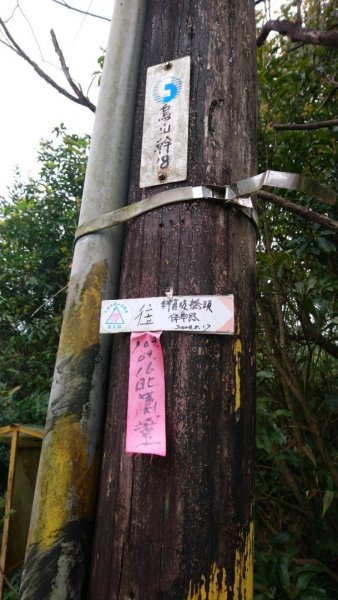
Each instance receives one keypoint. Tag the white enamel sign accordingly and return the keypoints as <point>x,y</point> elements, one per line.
<point>165,127</point>
<point>194,314</point>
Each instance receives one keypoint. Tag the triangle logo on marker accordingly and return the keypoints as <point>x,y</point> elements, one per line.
<point>115,318</point>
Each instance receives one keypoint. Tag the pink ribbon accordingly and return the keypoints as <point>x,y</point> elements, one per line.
<point>146,395</point>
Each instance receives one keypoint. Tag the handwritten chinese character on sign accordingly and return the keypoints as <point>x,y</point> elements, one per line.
<point>146,395</point>
<point>164,141</point>
<point>188,313</point>
<point>145,315</point>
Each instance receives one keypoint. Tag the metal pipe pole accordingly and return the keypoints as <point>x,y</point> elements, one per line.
<point>58,547</point>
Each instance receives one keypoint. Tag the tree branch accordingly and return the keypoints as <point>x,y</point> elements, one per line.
<point>16,48</point>
<point>299,19</point>
<point>17,6</point>
<point>302,126</point>
<point>76,88</point>
<point>8,583</point>
<point>84,12</point>
<point>276,296</point>
<point>296,33</point>
<point>309,416</point>
<point>301,211</point>
<point>312,333</point>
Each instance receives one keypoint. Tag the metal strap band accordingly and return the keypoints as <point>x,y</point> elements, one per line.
<point>184,194</point>
<point>229,196</point>
<point>280,179</point>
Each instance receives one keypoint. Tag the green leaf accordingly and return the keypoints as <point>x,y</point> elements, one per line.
<point>265,374</point>
<point>326,246</point>
<point>304,579</point>
<point>308,452</point>
<point>327,500</point>
<point>283,571</point>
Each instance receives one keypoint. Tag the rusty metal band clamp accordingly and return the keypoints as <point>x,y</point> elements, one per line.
<point>229,196</point>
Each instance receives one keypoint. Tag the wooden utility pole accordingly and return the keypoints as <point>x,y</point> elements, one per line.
<point>182,526</point>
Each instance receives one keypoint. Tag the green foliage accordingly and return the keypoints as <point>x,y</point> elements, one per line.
<point>278,578</point>
<point>97,75</point>
<point>13,594</point>
<point>297,476</point>
<point>37,223</point>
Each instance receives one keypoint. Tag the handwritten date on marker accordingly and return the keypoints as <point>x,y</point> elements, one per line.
<point>193,314</point>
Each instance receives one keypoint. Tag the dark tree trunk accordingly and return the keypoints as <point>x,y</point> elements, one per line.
<point>181,526</point>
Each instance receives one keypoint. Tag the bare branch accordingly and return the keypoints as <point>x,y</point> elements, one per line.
<point>333,81</point>
<point>299,19</point>
<point>14,9</point>
<point>296,33</point>
<point>31,29</point>
<point>48,300</point>
<point>76,88</point>
<point>300,126</point>
<point>16,48</point>
<point>8,583</point>
<point>334,90</point>
<point>312,333</point>
<point>301,211</point>
<point>64,67</point>
<point>8,45</point>
<point>18,7</point>
<point>84,12</point>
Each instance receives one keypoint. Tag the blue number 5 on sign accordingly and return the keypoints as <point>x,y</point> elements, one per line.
<point>167,89</point>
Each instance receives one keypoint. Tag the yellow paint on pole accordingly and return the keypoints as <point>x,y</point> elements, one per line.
<point>80,328</point>
<point>243,587</point>
<point>237,355</point>
<point>65,475</point>
<point>66,470</point>
<point>242,577</point>
<point>216,590</point>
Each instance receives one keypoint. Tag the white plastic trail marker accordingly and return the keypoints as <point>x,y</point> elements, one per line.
<point>193,314</point>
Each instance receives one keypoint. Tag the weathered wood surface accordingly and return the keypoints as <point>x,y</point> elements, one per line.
<point>181,526</point>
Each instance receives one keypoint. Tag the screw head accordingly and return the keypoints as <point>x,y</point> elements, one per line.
<point>168,66</point>
<point>162,176</point>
